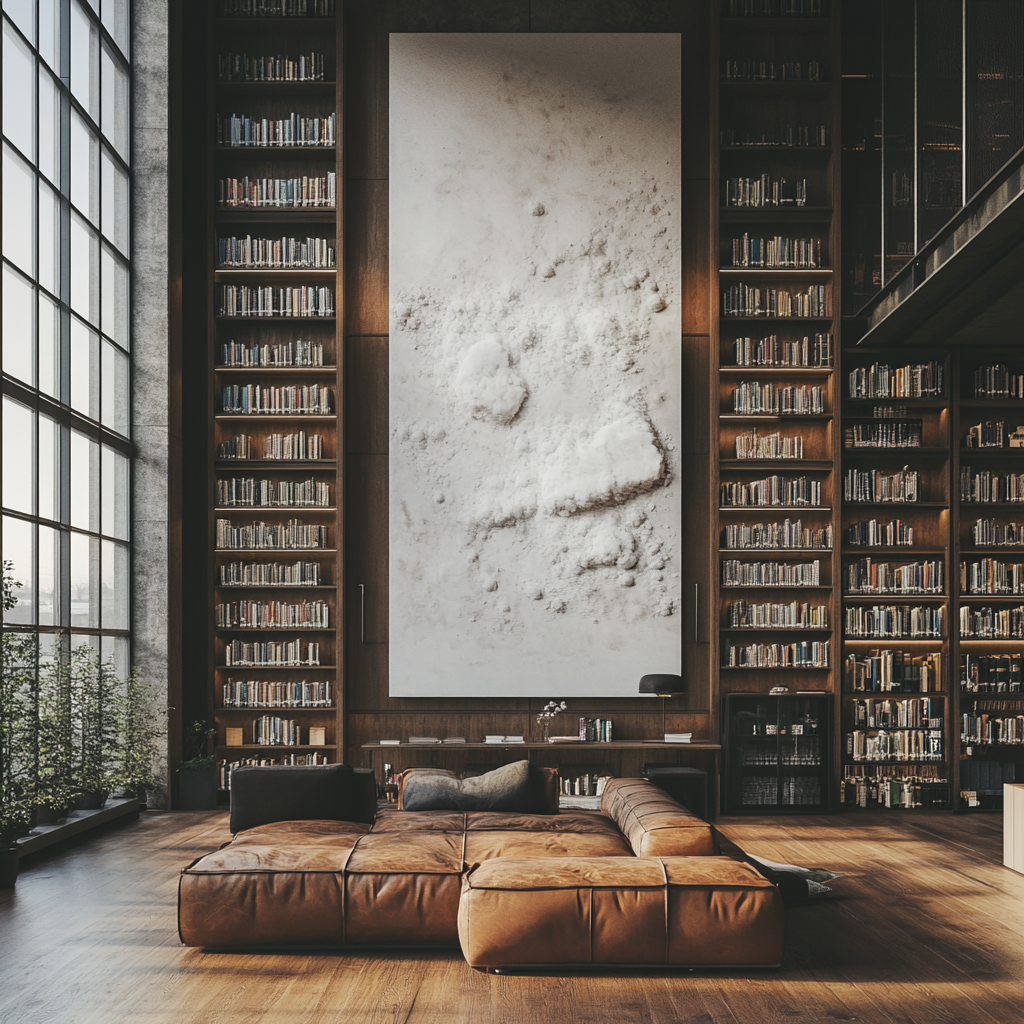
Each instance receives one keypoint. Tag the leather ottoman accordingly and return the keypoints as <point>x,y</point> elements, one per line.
<point>612,911</point>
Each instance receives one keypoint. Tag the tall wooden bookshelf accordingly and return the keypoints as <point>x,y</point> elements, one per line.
<point>775,258</point>
<point>279,583</point>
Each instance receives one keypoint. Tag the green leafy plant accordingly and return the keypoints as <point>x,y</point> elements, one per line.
<point>139,724</point>
<point>53,784</point>
<point>92,689</point>
<point>197,740</point>
<point>17,661</point>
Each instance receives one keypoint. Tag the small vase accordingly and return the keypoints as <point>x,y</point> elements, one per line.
<point>545,730</point>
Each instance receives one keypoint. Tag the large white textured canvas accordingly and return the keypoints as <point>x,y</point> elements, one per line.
<point>534,364</point>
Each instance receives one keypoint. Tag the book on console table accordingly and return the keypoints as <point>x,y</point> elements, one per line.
<point>390,743</point>
<point>503,739</point>
<point>424,739</point>
<point>674,737</point>
<point>565,739</point>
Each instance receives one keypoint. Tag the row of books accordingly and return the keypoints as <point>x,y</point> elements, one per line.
<point>992,673</point>
<point>883,434</point>
<point>276,253</point>
<point>270,574</point>
<point>870,485</point>
<point>786,534</point>
<point>776,615</point>
<point>993,435</point>
<point>243,300</point>
<point>765,190</point>
<point>909,713</point>
<point>989,576</point>
<point>750,300</point>
<point>285,193</point>
<point>272,615</point>
<point>797,253</point>
<point>272,536</point>
<point>776,8</point>
<point>989,533</point>
<point>998,382</point>
<point>583,785</point>
<point>890,790</point>
<point>896,745</point>
<point>987,623</point>
<point>983,486</point>
<point>271,653</point>
<point>772,490</point>
<point>271,67</point>
<point>225,768</point>
<point>293,130</point>
<point>770,351</point>
<point>920,380</point>
<point>768,446</point>
<point>804,654</point>
<point>298,447</point>
<point>770,574</point>
<point>983,729</point>
<point>792,791</point>
<point>277,8</point>
<point>769,71</point>
<point>248,492</point>
<point>987,776</point>
<point>283,400</point>
<point>873,533</point>
<point>272,731</point>
<point>800,751</point>
<point>275,693</point>
<point>755,398</point>
<point>809,136</point>
<point>891,671</point>
<point>283,354</point>
<point>894,620</point>
<point>866,576</point>
<point>596,730</point>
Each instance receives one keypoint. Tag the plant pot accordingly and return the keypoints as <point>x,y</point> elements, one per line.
<point>197,789</point>
<point>8,868</point>
<point>90,801</point>
<point>48,815</point>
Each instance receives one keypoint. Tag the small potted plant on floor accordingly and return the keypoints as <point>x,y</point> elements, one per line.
<point>197,783</point>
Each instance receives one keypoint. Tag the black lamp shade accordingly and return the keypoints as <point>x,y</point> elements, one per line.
<point>661,684</point>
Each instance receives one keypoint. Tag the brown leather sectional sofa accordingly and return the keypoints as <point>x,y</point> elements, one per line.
<point>639,883</point>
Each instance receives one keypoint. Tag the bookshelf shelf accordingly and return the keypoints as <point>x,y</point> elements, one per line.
<point>286,338</point>
<point>770,214</point>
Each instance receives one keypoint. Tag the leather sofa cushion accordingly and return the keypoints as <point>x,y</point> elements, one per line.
<point>654,823</point>
<point>484,846</point>
<point>679,911</point>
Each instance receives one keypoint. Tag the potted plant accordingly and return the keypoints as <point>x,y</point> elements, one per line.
<point>197,784</point>
<point>51,787</point>
<point>139,725</point>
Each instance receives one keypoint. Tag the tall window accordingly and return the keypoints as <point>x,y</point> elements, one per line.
<point>65,327</point>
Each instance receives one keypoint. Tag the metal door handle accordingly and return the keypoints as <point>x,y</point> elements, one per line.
<point>362,613</point>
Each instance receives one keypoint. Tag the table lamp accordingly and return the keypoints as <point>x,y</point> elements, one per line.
<point>661,685</point>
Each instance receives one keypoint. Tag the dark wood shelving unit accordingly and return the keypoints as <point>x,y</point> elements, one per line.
<point>288,37</point>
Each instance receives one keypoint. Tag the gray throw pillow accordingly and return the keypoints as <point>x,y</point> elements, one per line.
<point>505,789</point>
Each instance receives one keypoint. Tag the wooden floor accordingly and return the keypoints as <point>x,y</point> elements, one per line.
<point>928,928</point>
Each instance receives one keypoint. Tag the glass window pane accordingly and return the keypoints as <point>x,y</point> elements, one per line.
<point>18,446</point>
<point>19,211</point>
<point>23,14</point>
<point>49,347</point>
<point>85,54</point>
<point>115,19</point>
<point>49,467</point>
<point>85,489</point>
<point>49,33</point>
<point>115,585</point>
<point>49,238</point>
<point>49,127</point>
<point>115,389</point>
<point>19,92</point>
<point>49,577</point>
<point>115,297</point>
<point>114,651</point>
<point>19,336</point>
<point>85,369</point>
<point>115,494</point>
<point>115,104</point>
<point>84,277</point>
<point>18,545</point>
<point>85,580</point>
<point>85,151</point>
<point>115,203</point>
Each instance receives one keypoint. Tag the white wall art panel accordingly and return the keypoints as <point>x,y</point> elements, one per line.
<point>535,501</point>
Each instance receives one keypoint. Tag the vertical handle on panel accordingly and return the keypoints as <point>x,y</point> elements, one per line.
<point>696,613</point>
<point>362,613</point>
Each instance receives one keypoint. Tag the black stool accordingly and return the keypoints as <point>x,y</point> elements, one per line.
<point>687,785</point>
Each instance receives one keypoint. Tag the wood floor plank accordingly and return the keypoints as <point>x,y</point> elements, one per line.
<point>925,929</point>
